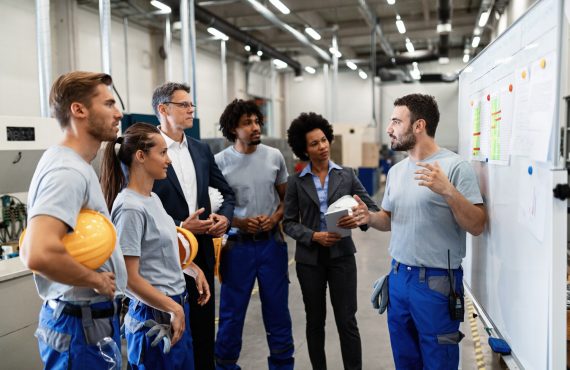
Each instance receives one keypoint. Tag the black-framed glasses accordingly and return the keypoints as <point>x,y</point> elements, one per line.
<point>183,105</point>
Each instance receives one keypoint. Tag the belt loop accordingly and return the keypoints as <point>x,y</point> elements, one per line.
<point>422,274</point>
<point>59,306</point>
<point>86,317</point>
<point>396,265</point>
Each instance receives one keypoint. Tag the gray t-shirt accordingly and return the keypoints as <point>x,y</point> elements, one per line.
<point>423,226</point>
<point>63,184</point>
<point>145,230</point>
<point>253,178</point>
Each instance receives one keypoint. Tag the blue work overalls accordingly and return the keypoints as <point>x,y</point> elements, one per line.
<point>62,342</point>
<point>422,333</point>
<point>242,262</point>
<point>143,356</point>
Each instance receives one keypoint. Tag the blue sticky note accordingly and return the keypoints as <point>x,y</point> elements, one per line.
<point>530,170</point>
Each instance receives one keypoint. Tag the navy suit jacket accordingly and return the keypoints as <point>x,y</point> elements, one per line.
<point>207,174</point>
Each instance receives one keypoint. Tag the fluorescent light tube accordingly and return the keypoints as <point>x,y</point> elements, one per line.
<point>311,32</point>
<point>310,70</point>
<point>280,6</point>
<point>217,34</point>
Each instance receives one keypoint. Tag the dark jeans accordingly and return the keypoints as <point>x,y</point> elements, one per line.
<point>340,274</point>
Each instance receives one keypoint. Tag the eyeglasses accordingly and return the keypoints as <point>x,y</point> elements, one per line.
<point>183,105</point>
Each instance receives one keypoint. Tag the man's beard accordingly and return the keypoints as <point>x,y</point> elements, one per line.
<point>407,142</point>
<point>254,142</point>
<point>96,128</point>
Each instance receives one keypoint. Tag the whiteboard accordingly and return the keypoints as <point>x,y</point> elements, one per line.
<point>516,270</point>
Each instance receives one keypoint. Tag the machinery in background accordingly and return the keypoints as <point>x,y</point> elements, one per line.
<point>23,140</point>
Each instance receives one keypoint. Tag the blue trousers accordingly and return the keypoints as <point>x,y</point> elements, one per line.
<point>142,356</point>
<point>63,344</point>
<point>422,334</point>
<point>241,264</point>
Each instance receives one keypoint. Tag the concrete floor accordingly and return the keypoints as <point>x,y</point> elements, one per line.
<point>372,260</point>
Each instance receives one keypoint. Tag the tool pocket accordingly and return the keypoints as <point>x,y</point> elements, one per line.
<point>50,342</point>
<point>97,329</point>
<point>439,284</point>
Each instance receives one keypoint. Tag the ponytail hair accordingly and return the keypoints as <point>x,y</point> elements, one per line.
<point>120,152</point>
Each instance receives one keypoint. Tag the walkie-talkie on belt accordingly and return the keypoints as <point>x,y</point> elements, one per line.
<point>456,308</point>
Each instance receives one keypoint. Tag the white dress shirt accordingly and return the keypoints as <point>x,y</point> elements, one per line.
<point>184,169</point>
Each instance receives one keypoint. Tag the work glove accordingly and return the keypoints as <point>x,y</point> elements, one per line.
<point>161,332</point>
<point>379,297</point>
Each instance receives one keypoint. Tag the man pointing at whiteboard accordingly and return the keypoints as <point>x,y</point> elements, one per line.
<point>431,200</point>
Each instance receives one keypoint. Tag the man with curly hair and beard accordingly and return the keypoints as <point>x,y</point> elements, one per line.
<point>255,248</point>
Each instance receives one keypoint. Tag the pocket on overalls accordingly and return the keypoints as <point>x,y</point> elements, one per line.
<point>49,341</point>
<point>135,340</point>
<point>99,329</point>
<point>439,284</point>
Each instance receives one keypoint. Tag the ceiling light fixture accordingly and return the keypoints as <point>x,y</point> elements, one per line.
<point>310,70</point>
<point>415,72</point>
<point>391,2</point>
<point>484,18</point>
<point>217,34</point>
<point>259,53</point>
<point>475,42</point>
<point>247,48</point>
<point>409,45</point>
<point>444,28</point>
<point>443,60</point>
<point>161,6</point>
<point>280,6</point>
<point>466,58</point>
<point>362,74</point>
<point>335,52</point>
<point>400,24</point>
<point>311,32</point>
<point>351,65</point>
<point>280,64</point>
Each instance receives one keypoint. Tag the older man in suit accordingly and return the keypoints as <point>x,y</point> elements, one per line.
<point>184,195</point>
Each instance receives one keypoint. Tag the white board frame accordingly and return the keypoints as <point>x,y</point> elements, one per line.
<point>521,288</point>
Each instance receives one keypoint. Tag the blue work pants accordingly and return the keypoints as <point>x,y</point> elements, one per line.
<point>422,333</point>
<point>241,264</point>
<point>62,341</point>
<point>143,356</point>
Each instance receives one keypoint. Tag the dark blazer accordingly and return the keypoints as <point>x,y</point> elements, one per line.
<point>302,213</point>
<point>207,174</point>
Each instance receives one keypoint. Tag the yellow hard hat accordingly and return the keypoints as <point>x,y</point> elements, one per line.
<point>92,241</point>
<point>187,246</point>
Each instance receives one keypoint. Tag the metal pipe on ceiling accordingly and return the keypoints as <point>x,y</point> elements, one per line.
<point>43,40</point>
<point>211,20</point>
<point>267,14</point>
<point>105,32</point>
<point>126,47</point>
<point>374,24</point>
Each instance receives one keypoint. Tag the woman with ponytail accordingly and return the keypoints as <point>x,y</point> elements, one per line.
<point>157,324</point>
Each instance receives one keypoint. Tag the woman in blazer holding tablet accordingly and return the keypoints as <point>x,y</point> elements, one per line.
<point>323,257</point>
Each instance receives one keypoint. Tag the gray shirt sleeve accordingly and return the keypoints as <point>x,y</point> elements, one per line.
<point>282,175</point>
<point>130,226</point>
<point>61,194</point>
<point>464,179</point>
<point>386,204</point>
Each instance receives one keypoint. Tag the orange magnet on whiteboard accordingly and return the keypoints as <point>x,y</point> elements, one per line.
<point>543,63</point>
<point>523,75</point>
<point>510,87</point>
<point>488,97</point>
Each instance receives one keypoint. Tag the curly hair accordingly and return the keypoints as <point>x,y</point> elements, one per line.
<point>421,107</point>
<point>305,123</point>
<point>163,93</point>
<point>229,120</point>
